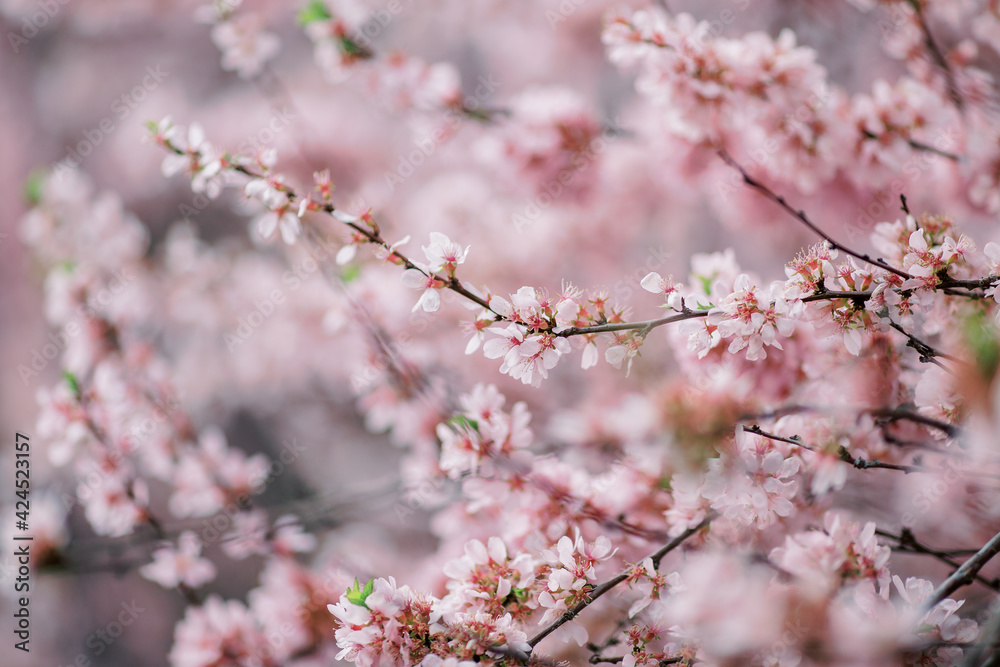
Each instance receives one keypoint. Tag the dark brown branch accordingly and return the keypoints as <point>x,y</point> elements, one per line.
<point>829,296</point>
<point>902,414</point>
<point>843,453</point>
<point>802,217</point>
<point>927,352</point>
<point>794,440</point>
<point>908,543</point>
<point>919,146</point>
<point>863,464</point>
<point>977,283</point>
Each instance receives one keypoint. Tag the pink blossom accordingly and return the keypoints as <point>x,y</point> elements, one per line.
<point>443,254</point>
<point>656,284</point>
<point>248,536</point>
<point>244,44</point>
<point>218,630</point>
<point>182,565</point>
<point>429,299</point>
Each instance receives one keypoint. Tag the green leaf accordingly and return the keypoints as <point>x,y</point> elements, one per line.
<point>351,48</point>
<point>980,336</point>
<point>350,273</point>
<point>316,10</point>
<point>357,595</point>
<point>33,186</point>
<point>71,380</point>
<point>463,422</point>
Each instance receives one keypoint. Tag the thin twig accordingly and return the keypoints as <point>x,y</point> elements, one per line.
<point>794,440</point>
<point>802,217</point>
<point>608,585</point>
<point>909,543</point>
<point>647,325</point>
<point>926,352</point>
<point>842,452</point>
<point>902,414</point>
<point>827,295</point>
<point>938,56</point>
<point>920,146</point>
<point>930,149</point>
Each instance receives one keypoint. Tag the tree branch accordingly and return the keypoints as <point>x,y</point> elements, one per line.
<point>843,453</point>
<point>600,590</point>
<point>899,414</point>
<point>927,353</point>
<point>938,56</point>
<point>909,543</point>
<point>966,573</point>
<point>802,217</point>
<point>645,326</point>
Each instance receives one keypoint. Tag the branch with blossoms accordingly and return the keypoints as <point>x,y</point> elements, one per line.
<point>859,462</point>
<point>532,341</point>
<point>342,49</point>
<point>608,585</point>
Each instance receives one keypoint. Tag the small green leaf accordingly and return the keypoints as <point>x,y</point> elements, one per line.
<point>350,273</point>
<point>33,186</point>
<point>357,595</point>
<point>316,10</point>
<point>981,338</point>
<point>481,115</point>
<point>71,380</point>
<point>351,48</point>
<point>463,422</point>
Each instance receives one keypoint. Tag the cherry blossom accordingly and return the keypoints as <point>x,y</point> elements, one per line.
<point>420,279</point>
<point>656,284</point>
<point>245,45</point>
<point>574,571</point>
<point>182,565</point>
<point>217,630</point>
<point>443,254</point>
